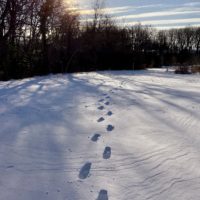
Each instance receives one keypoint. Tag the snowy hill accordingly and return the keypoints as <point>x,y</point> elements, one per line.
<point>101,136</point>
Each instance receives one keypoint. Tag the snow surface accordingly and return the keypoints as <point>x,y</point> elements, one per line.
<point>101,136</point>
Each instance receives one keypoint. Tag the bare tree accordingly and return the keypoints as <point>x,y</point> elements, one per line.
<point>197,40</point>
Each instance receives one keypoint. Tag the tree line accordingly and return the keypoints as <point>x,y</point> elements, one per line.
<point>39,37</point>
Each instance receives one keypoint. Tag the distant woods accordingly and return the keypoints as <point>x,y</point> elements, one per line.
<point>39,37</point>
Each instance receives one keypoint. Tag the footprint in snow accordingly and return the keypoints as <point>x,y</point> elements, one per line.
<point>109,113</point>
<point>101,107</point>
<point>101,100</point>
<point>107,153</point>
<point>103,195</point>
<point>100,119</point>
<point>110,128</point>
<point>107,103</point>
<point>95,137</point>
<point>85,170</point>
<point>10,166</point>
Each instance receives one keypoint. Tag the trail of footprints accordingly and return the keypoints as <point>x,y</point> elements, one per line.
<point>85,170</point>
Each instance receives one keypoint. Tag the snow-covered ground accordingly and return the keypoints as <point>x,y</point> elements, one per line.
<point>101,136</point>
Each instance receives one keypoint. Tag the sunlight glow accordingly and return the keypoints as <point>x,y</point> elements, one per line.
<point>70,3</point>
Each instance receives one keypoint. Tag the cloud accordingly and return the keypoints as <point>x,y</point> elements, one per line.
<point>167,21</point>
<point>156,14</point>
<point>111,10</point>
<point>171,26</point>
<point>116,10</point>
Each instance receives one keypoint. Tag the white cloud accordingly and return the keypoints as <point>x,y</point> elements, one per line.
<point>163,27</point>
<point>150,12</point>
<point>167,21</point>
<point>156,14</point>
<point>116,10</point>
<point>111,10</point>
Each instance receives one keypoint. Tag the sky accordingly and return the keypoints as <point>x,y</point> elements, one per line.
<point>162,14</point>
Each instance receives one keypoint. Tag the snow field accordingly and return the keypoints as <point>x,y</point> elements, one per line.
<point>101,136</point>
